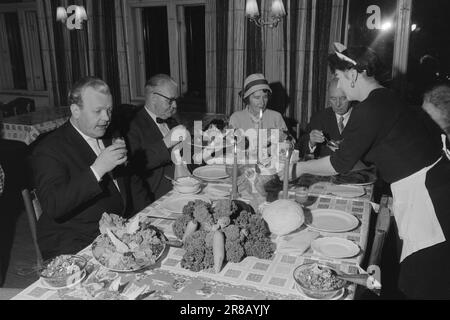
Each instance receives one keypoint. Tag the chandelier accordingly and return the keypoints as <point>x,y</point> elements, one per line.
<point>277,13</point>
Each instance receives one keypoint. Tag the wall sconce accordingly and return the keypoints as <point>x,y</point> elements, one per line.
<point>277,12</point>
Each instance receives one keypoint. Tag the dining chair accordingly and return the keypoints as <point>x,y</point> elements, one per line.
<point>33,211</point>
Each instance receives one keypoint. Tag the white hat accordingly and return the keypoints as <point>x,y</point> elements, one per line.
<point>253,83</point>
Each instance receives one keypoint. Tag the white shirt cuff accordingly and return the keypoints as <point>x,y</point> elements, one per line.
<point>311,149</point>
<point>97,176</point>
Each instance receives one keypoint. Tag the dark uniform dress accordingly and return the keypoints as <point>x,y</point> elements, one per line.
<point>385,132</point>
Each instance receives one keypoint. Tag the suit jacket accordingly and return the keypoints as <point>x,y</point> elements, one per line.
<point>72,199</point>
<point>150,158</point>
<point>326,122</point>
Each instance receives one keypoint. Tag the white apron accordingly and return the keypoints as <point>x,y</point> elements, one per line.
<point>414,213</point>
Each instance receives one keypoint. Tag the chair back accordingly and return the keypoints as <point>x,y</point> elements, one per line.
<point>382,225</point>
<point>33,211</point>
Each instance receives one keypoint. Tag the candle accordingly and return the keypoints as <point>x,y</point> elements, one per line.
<point>258,134</point>
<point>286,175</point>
<point>251,8</point>
<point>234,192</point>
<point>278,8</point>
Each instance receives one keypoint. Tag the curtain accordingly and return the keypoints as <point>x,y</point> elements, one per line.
<point>73,54</point>
<point>292,56</point>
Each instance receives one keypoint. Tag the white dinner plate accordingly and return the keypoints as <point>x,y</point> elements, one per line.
<point>334,247</point>
<point>330,220</point>
<point>347,191</point>
<point>220,190</point>
<point>211,172</point>
<point>48,286</point>
<point>176,204</point>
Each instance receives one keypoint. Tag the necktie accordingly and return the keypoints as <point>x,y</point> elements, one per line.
<point>341,124</point>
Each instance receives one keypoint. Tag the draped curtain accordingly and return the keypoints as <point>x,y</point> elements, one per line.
<point>73,54</point>
<point>292,56</point>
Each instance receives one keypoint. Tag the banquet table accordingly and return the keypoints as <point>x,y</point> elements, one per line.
<point>251,279</point>
<point>27,127</point>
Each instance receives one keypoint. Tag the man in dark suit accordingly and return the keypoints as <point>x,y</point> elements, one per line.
<point>153,134</point>
<point>329,123</point>
<point>79,175</point>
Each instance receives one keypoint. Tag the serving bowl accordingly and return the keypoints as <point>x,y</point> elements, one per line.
<point>318,281</point>
<point>63,271</point>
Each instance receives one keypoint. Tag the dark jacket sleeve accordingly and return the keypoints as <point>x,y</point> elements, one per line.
<point>60,194</point>
<point>359,135</point>
<point>314,124</point>
<point>148,152</point>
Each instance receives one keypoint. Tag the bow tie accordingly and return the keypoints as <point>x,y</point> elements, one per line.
<point>161,120</point>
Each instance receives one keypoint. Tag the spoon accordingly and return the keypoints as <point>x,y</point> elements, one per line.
<point>171,179</point>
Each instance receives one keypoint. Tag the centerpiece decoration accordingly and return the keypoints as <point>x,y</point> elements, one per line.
<point>226,231</point>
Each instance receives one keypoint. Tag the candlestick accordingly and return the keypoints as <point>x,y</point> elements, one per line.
<point>286,175</point>
<point>234,192</point>
<point>258,135</point>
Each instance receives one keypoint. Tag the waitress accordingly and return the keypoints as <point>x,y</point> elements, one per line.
<point>385,132</point>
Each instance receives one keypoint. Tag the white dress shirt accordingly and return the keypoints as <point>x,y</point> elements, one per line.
<point>346,116</point>
<point>163,127</point>
<point>97,146</point>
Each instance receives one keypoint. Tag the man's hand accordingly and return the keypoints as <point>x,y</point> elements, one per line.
<point>175,136</point>
<point>109,158</point>
<point>315,137</point>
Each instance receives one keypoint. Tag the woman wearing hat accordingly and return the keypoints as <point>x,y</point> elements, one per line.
<point>384,131</point>
<point>256,94</point>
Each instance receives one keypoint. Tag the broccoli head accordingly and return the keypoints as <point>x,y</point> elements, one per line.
<point>234,252</point>
<point>231,232</point>
<point>224,208</point>
<point>261,248</point>
<point>179,226</point>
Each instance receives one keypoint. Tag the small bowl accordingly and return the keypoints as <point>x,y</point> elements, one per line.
<point>63,271</point>
<point>318,281</point>
<point>187,185</point>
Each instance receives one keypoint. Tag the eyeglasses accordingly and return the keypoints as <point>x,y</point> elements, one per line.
<point>170,100</point>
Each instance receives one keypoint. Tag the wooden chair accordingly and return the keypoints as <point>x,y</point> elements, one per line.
<point>34,211</point>
<point>382,226</point>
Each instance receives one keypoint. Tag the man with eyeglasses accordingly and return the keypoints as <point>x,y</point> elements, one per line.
<point>328,124</point>
<point>153,134</point>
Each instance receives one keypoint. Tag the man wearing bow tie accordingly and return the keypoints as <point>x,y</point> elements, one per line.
<point>327,124</point>
<point>152,135</point>
<point>79,174</point>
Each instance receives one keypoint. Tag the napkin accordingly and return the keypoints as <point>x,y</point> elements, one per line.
<point>296,243</point>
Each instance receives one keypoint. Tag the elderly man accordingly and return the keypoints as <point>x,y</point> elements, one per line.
<point>327,124</point>
<point>152,135</point>
<point>78,174</point>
